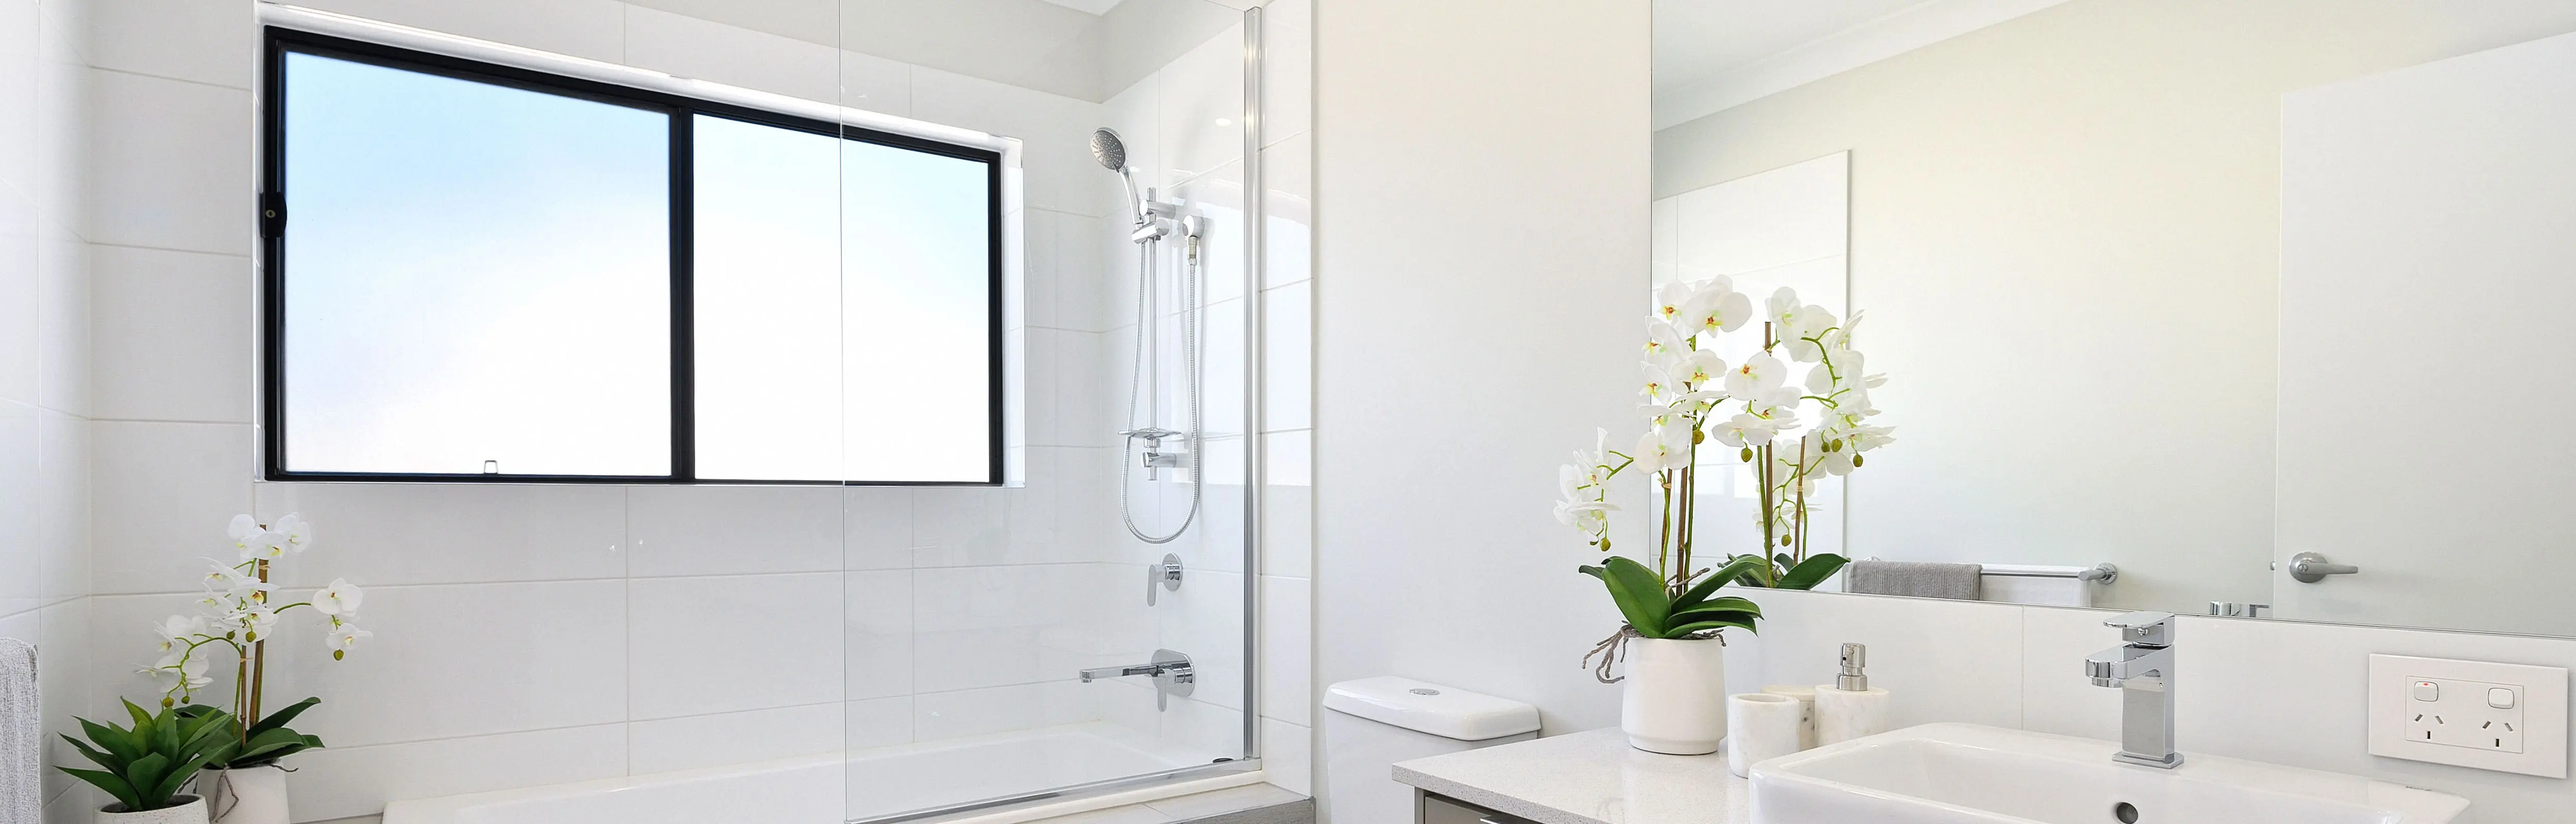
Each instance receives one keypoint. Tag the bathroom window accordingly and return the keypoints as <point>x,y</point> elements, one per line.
<point>477,272</point>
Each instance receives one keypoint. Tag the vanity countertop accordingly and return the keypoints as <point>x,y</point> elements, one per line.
<point>1587,778</point>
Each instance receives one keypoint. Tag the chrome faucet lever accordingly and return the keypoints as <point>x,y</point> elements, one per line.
<point>2142,668</point>
<point>1171,671</point>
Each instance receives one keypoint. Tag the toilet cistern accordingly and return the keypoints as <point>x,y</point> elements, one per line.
<point>2142,669</point>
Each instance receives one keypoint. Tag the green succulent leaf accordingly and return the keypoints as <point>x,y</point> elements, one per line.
<point>115,786</point>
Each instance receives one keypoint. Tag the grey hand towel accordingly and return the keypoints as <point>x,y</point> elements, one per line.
<point>22,736</point>
<point>1959,582</point>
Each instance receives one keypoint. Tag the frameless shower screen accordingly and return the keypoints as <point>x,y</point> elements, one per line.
<point>972,613</point>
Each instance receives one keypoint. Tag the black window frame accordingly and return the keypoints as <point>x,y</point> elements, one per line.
<point>273,223</point>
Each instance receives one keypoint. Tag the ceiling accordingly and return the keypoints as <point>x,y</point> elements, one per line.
<point>1697,39</point>
<point>1092,6</point>
<point>1713,55</point>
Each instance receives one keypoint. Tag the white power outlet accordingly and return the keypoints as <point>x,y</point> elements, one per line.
<point>2504,717</point>
<point>2464,713</point>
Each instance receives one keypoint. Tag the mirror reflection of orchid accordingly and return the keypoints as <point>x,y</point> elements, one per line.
<point>1789,435</point>
<point>240,612</point>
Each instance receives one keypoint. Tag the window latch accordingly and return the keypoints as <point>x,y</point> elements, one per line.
<point>272,214</point>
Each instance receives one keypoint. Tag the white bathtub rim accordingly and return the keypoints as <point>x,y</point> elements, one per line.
<point>445,809</point>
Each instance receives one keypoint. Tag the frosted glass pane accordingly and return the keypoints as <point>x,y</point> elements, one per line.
<point>473,272</point>
<point>768,302</point>
<point>916,324</point>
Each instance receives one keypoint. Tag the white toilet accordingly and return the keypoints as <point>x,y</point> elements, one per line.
<point>1375,722</point>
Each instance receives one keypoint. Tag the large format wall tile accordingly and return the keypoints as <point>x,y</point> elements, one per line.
<point>164,493</point>
<point>377,534</point>
<point>212,43</point>
<point>695,741</point>
<point>728,643</point>
<point>717,530</point>
<point>340,782</point>
<point>173,335</point>
<point>171,164</point>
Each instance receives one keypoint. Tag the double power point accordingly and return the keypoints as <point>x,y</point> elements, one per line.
<point>2503,717</point>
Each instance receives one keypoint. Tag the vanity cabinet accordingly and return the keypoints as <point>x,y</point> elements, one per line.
<point>1434,808</point>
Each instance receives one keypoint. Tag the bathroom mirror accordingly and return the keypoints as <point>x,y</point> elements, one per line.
<point>2252,302</point>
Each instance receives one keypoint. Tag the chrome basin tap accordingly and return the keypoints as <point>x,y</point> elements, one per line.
<point>2143,670</point>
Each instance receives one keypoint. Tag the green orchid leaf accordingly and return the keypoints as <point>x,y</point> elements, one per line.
<point>1687,629</point>
<point>278,719</point>
<point>1813,571</point>
<point>1722,606</point>
<point>1639,594</point>
<point>1733,570</point>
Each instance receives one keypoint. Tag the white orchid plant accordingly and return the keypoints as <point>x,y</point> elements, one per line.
<point>1791,434</point>
<point>239,614</point>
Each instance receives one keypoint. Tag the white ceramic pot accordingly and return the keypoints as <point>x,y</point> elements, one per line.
<point>1674,699</point>
<point>193,812</point>
<point>256,795</point>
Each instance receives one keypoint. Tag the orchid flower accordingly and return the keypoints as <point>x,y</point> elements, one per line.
<point>298,533</point>
<point>1755,377</point>
<point>1660,387</point>
<point>1716,308</point>
<point>1699,368</point>
<point>1663,343</point>
<point>343,637</point>
<point>340,598</point>
<point>1665,447</point>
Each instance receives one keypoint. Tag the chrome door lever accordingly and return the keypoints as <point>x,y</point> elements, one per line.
<point>2309,568</point>
<point>1167,574</point>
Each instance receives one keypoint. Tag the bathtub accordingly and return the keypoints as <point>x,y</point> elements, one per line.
<point>866,784</point>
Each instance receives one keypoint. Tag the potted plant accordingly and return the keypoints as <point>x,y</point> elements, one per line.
<point>146,765</point>
<point>240,612</point>
<point>1672,640</point>
<point>243,782</point>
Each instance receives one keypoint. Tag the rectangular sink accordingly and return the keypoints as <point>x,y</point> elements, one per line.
<point>1970,774</point>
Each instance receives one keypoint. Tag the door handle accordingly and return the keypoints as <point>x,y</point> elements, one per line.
<point>2309,568</point>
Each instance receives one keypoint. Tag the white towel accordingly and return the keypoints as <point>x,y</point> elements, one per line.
<point>22,736</point>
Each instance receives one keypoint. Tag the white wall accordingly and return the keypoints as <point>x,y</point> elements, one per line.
<point>2065,230</point>
<point>1482,241</point>
<point>45,400</point>
<point>2277,691</point>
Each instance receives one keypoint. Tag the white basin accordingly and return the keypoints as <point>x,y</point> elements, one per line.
<point>1970,774</point>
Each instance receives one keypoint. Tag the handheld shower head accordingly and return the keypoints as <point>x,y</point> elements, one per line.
<point>1112,154</point>
<point>1108,149</point>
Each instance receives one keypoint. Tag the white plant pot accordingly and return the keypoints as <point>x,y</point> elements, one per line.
<point>193,812</point>
<point>256,795</point>
<point>1674,700</point>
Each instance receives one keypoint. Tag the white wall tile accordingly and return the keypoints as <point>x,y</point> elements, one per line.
<point>1056,131</point>
<point>63,504</point>
<point>20,37</point>
<point>721,644</point>
<point>378,534</point>
<point>18,356</point>
<point>876,527</point>
<point>63,666</point>
<point>163,494</point>
<point>718,529</point>
<point>1202,728</point>
<point>1288,756</point>
<point>22,573</point>
<point>1204,619</point>
<point>581,28</point>
<point>1945,660</point>
<point>547,654</point>
<point>337,782</point>
<point>992,626</point>
<point>171,163</point>
<point>173,335</point>
<point>214,43</point>
<point>879,722</point>
<point>2056,695</point>
<point>1081,273</point>
<point>735,56</point>
<point>1288,357</point>
<point>716,740</point>
<point>1201,116</point>
<point>876,84</point>
<point>62,302</point>
<point>1287,523</point>
<point>62,120</point>
<point>1287,67</point>
<point>943,715</point>
<point>1287,645</point>
<point>876,619</point>
<point>1289,211</point>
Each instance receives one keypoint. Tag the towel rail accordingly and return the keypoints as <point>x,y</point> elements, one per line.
<point>2103,573</point>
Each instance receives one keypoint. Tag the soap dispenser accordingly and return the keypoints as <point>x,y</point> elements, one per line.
<point>1849,707</point>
